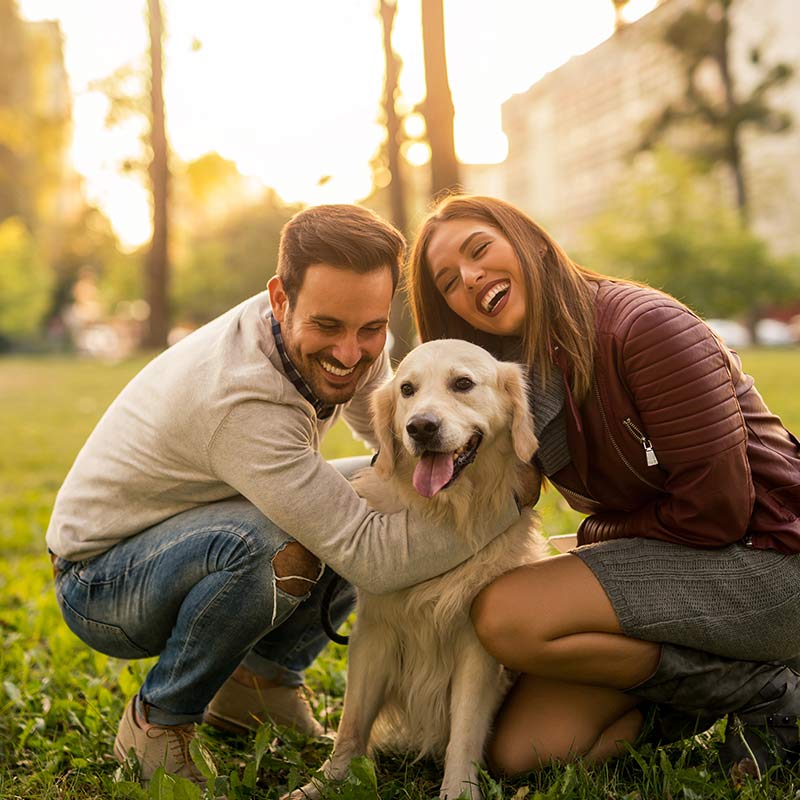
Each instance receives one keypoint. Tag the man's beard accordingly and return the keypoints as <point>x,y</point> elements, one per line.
<point>311,371</point>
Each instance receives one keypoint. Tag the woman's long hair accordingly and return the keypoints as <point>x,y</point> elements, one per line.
<point>559,300</point>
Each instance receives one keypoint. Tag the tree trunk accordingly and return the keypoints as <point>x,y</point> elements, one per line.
<point>400,323</point>
<point>619,19</point>
<point>733,147</point>
<point>438,105</point>
<point>157,278</point>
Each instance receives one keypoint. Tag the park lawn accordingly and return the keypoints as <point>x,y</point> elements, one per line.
<point>60,701</point>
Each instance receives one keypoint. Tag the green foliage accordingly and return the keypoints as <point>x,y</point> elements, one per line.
<point>60,701</point>
<point>24,282</point>
<point>672,230</point>
<point>231,262</point>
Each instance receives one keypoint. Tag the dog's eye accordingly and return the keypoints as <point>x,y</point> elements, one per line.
<point>463,384</point>
<point>406,389</point>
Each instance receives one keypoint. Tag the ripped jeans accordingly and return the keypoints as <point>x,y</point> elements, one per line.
<point>199,590</point>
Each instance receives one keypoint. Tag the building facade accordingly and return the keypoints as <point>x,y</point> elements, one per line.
<point>573,134</point>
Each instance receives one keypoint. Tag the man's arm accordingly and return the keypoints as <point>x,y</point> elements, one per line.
<point>263,450</point>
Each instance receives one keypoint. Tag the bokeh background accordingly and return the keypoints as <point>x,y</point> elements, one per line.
<point>150,152</point>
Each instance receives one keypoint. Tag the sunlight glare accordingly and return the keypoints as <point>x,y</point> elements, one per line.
<point>291,92</point>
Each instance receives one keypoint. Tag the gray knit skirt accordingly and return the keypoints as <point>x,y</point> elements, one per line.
<point>734,601</point>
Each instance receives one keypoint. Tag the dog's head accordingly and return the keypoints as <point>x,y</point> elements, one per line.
<point>447,400</point>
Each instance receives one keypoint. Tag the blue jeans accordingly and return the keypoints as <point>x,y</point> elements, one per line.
<point>199,591</point>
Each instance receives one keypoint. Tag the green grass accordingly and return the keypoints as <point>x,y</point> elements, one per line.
<point>60,701</point>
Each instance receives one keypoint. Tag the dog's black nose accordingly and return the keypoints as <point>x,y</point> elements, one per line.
<point>423,427</point>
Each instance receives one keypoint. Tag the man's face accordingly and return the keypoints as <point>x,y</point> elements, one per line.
<point>336,328</point>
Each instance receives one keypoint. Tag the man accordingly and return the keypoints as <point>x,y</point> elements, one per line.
<point>198,518</point>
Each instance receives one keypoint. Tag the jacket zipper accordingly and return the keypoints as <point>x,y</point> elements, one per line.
<point>564,490</point>
<point>650,454</point>
<point>617,447</point>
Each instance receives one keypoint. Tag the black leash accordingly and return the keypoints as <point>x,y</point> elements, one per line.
<point>325,611</point>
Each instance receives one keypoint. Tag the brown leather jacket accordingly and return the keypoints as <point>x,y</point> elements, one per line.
<point>674,442</point>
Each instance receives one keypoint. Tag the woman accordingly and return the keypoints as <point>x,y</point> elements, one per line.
<point>684,591</point>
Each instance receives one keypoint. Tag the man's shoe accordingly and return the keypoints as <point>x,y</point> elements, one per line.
<point>240,709</point>
<point>156,746</point>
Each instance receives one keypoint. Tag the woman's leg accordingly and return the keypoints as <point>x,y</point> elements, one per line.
<point>554,620</point>
<point>546,720</point>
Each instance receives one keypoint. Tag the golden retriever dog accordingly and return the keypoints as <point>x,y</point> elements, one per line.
<point>455,431</point>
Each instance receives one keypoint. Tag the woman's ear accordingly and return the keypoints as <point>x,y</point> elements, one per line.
<point>523,438</point>
<point>382,422</point>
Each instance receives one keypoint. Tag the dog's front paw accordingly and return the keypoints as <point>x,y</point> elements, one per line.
<point>468,789</point>
<point>311,791</point>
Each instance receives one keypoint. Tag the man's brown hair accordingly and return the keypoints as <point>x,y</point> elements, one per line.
<point>344,236</point>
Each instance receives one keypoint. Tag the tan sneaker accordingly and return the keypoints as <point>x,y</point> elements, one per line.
<point>157,746</point>
<point>240,709</point>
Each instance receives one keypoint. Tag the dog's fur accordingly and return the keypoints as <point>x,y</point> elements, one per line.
<point>417,676</point>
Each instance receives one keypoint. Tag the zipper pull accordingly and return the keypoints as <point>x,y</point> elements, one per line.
<point>649,453</point>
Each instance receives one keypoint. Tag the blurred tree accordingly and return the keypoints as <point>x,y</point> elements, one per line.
<point>438,104</point>
<point>701,36</point>
<point>14,71</point>
<point>619,14</point>
<point>88,242</point>
<point>34,121</point>
<point>208,180</point>
<point>25,283</point>
<point>228,263</point>
<point>672,230</point>
<point>400,322</point>
<point>157,261</point>
<point>388,9</point>
<point>135,91</point>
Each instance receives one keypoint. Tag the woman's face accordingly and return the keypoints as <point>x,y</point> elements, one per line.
<point>477,272</point>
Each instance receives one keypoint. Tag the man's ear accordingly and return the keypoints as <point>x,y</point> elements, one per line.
<point>278,298</point>
<point>382,422</point>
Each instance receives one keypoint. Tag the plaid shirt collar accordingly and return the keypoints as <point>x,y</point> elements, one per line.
<point>323,410</point>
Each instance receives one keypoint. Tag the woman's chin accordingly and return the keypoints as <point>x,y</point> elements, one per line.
<point>503,324</point>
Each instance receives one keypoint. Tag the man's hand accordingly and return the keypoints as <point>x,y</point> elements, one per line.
<point>531,478</point>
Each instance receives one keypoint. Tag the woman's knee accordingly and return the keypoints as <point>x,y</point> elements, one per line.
<point>500,621</point>
<point>515,753</point>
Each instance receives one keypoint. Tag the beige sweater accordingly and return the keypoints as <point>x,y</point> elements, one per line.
<point>214,417</point>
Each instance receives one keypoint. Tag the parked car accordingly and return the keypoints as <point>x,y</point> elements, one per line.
<point>734,334</point>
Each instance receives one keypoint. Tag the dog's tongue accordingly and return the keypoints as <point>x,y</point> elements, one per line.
<point>432,473</point>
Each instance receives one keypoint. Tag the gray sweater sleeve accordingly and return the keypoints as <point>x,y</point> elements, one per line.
<point>264,451</point>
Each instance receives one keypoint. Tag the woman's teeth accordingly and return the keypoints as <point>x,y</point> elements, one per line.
<point>494,294</point>
<point>328,367</point>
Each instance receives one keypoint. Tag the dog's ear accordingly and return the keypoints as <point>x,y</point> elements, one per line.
<point>523,438</point>
<point>382,422</point>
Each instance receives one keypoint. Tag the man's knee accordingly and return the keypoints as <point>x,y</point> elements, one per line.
<point>296,569</point>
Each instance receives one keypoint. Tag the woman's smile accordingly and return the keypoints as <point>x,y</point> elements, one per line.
<point>492,298</point>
